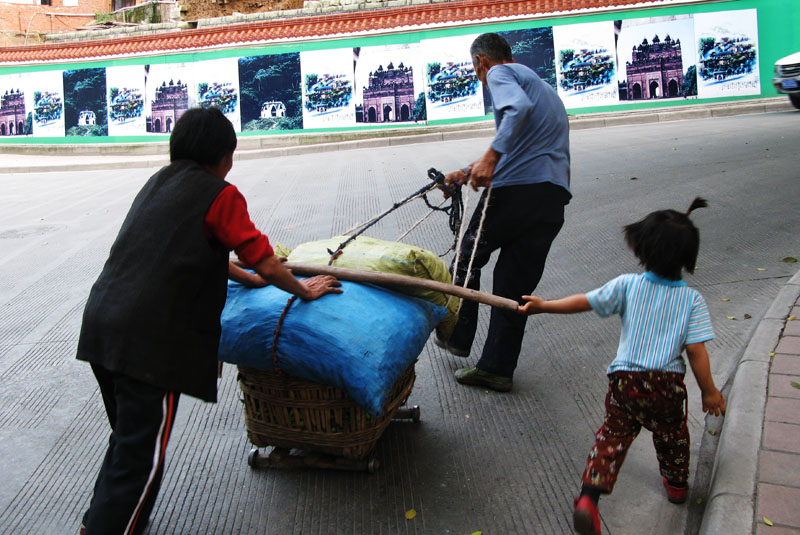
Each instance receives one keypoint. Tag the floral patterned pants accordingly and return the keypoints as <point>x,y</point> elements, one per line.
<point>653,400</point>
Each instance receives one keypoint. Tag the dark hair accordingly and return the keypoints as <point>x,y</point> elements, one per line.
<point>204,135</point>
<point>666,241</point>
<point>491,45</point>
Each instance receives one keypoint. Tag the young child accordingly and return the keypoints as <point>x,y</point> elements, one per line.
<point>151,324</point>
<point>661,316</point>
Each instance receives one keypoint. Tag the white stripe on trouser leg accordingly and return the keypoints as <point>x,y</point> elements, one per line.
<point>157,455</point>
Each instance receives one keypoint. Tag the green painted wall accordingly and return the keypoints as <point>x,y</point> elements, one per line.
<point>778,36</point>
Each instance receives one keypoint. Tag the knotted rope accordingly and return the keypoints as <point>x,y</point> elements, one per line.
<point>277,333</point>
<point>454,211</point>
<point>461,233</point>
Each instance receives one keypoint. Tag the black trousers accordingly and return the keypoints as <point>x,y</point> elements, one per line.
<point>141,418</point>
<point>521,221</point>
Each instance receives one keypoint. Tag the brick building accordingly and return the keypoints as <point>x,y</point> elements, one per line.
<point>656,69</point>
<point>172,100</point>
<point>12,113</point>
<point>23,21</point>
<point>390,95</point>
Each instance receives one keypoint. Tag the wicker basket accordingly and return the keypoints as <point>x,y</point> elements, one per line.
<point>287,412</point>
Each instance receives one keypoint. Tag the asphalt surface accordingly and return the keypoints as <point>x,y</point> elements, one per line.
<point>478,460</point>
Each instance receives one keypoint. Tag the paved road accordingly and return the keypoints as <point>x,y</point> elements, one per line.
<point>478,460</point>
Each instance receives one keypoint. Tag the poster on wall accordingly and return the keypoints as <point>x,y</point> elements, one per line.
<point>218,86</point>
<point>727,50</point>
<point>16,106</point>
<point>452,89</point>
<point>85,112</point>
<point>585,64</point>
<point>125,100</point>
<point>656,58</point>
<point>169,92</point>
<point>388,84</point>
<point>327,87</point>
<point>47,89</point>
<point>533,47</point>
<point>269,88</point>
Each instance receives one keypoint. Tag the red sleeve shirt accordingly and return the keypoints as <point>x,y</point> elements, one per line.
<point>228,221</point>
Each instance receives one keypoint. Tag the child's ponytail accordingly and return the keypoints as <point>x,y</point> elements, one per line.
<point>666,241</point>
<point>698,202</point>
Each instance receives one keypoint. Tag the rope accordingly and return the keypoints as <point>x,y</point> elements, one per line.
<point>468,274</point>
<point>454,210</point>
<point>418,223</point>
<point>277,332</point>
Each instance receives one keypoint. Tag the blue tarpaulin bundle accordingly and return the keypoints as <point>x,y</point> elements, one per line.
<point>360,341</point>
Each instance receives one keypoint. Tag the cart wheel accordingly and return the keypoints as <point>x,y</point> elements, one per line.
<point>373,464</point>
<point>415,414</point>
<point>252,457</point>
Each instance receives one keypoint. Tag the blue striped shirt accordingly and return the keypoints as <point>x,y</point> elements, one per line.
<point>659,318</point>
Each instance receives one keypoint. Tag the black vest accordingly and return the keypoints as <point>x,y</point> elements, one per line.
<point>153,313</point>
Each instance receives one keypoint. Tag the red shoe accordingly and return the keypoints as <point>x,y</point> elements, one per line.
<point>586,517</point>
<point>676,494</point>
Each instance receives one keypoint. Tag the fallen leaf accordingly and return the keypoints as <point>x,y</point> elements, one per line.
<point>790,318</point>
<point>712,432</point>
<point>477,533</point>
<point>731,317</point>
<point>772,354</point>
<point>768,522</point>
<point>789,259</point>
<point>410,514</point>
<point>796,385</point>
<point>761,269</point>
<point>699,501</point>
<point>725,299</point>
<point>747,316</point>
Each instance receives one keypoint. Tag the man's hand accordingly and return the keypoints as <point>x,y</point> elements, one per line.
<point>453,179</point>
<point>321,285</point>
<point>482,170</point>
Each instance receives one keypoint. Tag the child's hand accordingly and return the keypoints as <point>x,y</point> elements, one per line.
<point>714,403</point>
<point>533,305</point>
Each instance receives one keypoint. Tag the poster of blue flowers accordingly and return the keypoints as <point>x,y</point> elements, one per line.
<point>586,64</point>
<point>727,53</point>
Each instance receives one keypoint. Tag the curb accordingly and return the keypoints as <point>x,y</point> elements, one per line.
<point>140,155</point>
<point>731,495</point>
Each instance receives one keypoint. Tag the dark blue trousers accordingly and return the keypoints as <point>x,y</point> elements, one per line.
<point>522,222</point>
<point>141,418</point>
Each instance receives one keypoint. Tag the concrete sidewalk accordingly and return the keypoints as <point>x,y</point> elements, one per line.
<point>755,487</point>
<point>22,158</point>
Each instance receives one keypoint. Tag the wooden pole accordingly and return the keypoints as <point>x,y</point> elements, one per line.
<point>402,281</point>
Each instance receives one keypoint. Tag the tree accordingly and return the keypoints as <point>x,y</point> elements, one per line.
<point>689,85</point>
<point>273,77</point>
<point>420,112</point>
<point>534,48</point>
<point>85,90</point>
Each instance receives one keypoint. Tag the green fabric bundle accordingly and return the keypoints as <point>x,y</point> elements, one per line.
<point>371,254</point>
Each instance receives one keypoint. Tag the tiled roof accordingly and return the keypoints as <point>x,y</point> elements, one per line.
<point>341,24</point>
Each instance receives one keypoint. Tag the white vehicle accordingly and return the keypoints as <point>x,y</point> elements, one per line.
<point>787,78</point>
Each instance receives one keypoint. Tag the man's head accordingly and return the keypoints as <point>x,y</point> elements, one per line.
<point>203,135</point>
<point>489,49</point>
